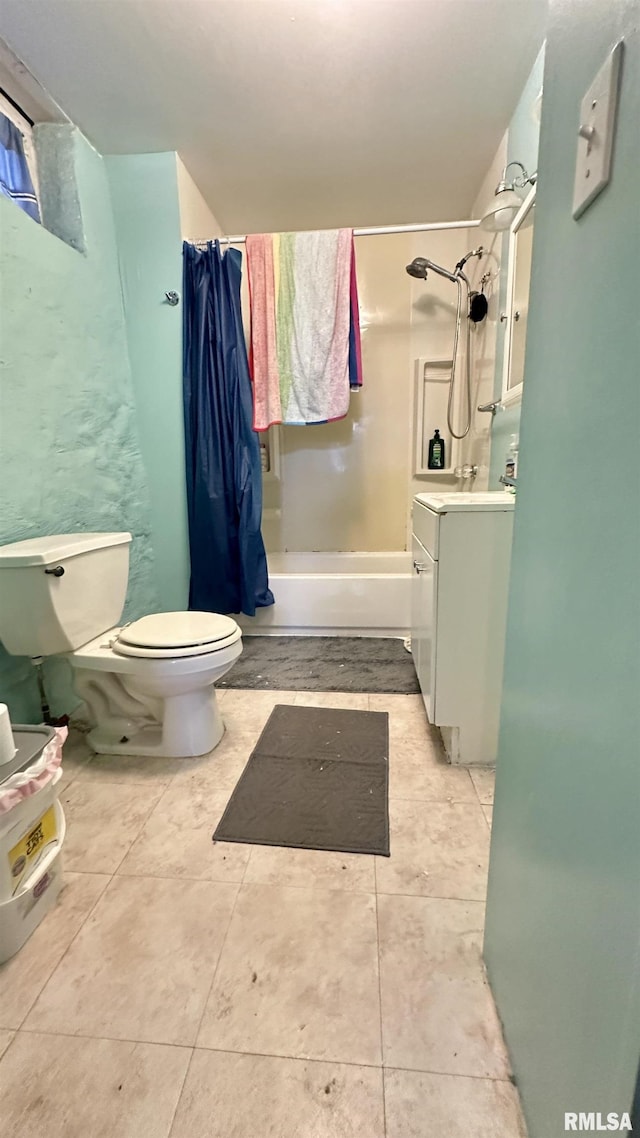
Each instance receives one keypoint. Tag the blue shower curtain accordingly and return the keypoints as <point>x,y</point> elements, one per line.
<point>224,480</point>
<point>15,178</point>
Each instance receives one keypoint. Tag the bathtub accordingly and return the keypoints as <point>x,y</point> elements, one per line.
<point>336,594</point>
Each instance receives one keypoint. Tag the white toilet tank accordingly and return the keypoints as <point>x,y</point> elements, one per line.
<point>59,592</point>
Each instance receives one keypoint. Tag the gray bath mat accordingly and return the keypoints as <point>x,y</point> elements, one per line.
<point>324,663</point>
<point>317,779</point>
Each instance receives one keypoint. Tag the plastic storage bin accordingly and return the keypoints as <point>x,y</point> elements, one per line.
<point>31,837</point>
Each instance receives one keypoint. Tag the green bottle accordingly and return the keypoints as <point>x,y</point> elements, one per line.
<point>436,452</point>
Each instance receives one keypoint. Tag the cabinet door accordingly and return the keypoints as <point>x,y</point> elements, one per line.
<point>423,632</point>
<point>416,637</point>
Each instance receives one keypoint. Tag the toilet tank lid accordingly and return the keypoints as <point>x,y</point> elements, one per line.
<point>57,547</point>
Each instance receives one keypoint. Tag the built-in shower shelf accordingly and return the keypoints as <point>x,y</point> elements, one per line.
<point>429,472</point>
<point>270,454</point>
<point>432,378</point>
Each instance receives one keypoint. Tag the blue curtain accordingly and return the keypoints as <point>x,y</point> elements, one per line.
<point>15,179</point>
<point>224,479</point>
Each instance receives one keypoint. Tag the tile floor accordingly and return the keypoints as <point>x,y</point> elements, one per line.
<point>182,989</point>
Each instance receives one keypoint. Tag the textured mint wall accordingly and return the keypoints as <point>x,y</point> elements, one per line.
<point>522,146</point>
<point>59,194</point>
<point>144,193</point>
<point>70,453</point>
<point>563,916</point>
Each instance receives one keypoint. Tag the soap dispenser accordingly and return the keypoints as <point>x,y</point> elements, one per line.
<point>436,459</point>
<point>511,463</point>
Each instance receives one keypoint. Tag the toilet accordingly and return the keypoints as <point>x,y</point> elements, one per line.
<point>149,686</point>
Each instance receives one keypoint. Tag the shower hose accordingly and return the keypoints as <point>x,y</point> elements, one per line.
<point>467,370</point>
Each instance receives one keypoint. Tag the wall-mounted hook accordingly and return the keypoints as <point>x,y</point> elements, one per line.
<point>172,298</point>
<point>587,131</point>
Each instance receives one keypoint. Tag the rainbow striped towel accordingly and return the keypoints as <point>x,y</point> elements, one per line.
<point>305,334</point>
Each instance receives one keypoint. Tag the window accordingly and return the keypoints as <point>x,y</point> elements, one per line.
<point>18,168</point>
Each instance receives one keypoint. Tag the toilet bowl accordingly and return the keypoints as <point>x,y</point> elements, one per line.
<point>149,686</point>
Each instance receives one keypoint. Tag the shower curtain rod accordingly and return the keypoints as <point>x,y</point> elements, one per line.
<point>375,231</point>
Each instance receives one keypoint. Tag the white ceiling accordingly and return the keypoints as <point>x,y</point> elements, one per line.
<point>293,114</point>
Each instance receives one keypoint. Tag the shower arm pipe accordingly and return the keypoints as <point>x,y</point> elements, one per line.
<point>479,252</point>
<point>524,180</point>
<point>375,231</point>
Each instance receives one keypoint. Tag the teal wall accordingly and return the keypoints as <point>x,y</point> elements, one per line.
<point>144,193</point>
<point>70,453</point>
<point>563,916</point>
<point>522,146</point>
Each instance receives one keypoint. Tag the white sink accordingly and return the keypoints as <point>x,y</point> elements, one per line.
<point>482,500</point>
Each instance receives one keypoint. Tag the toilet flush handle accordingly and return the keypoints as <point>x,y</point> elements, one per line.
<point>57,572</point>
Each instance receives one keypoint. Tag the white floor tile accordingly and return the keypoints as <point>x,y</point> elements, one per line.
<point>438,849</point>
<point>438,1014</point>
<point>294,980</point>
<point>142,965</point>
<point>349,701</point>
<point>276,865</point>
<point>257,1096</point>
<point>450,1106</point>
<point>62,1087</point>
<point>484,780</point>
<point>23,977</point>
<point>298,977</point>
<point>103,820</point>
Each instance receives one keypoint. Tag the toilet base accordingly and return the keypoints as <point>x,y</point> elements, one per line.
<point>191,726</point>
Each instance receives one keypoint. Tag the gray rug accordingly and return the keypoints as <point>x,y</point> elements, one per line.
<point>324,663</point>
<point>317,779</point>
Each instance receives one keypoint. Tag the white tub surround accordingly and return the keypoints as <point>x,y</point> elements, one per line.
<point>336,594</point>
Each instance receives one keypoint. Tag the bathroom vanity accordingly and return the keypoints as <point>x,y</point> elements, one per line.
<point>461,557</point>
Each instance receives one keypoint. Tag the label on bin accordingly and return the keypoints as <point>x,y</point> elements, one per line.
<point>26,853</point>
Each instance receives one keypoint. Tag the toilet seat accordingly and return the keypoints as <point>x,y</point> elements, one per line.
<point>175,634</point>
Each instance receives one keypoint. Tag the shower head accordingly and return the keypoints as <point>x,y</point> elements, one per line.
<point>420,266</point>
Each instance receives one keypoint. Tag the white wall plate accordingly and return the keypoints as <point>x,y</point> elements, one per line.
<point>596,131</point>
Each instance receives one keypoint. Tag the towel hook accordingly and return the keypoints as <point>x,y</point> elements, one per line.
<point>172,298</point>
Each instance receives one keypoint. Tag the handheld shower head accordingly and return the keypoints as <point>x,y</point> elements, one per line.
<point>418,268</point>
